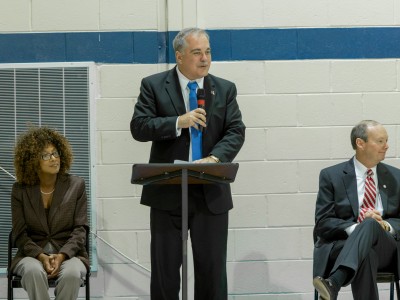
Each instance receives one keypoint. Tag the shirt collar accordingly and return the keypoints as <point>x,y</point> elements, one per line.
<point>183,81</point>
<point>361,170</point>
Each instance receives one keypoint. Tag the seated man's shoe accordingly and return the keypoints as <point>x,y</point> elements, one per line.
<point>325,288</point>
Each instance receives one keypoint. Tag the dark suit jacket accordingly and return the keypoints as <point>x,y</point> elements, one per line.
<point>337,207</point>
<point>67,224</point>
<point>159,104</point>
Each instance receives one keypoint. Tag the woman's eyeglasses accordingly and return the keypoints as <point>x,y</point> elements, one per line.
<point>47,156</point>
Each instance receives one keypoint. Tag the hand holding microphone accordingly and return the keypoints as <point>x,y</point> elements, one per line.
<point>195,118</point>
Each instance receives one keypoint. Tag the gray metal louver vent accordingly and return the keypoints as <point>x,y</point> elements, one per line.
<point>56,95</point>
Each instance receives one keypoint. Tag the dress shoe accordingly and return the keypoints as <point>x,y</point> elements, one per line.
<point>325,288</point>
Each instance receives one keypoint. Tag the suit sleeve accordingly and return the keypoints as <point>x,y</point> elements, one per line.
<point>76,241</point>
<point>333,212</point>
<point>21,238</point>
<point>392,213</point>
<point>231,138</point>
<point>151,120</point>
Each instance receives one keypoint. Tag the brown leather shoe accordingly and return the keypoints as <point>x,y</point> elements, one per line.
<point>325,288</point>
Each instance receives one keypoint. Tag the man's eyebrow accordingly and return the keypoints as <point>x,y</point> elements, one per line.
<point>198,49</point>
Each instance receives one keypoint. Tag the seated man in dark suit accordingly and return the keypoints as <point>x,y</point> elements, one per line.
<point>357,218</point>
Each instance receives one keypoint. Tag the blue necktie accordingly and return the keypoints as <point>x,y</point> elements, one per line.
<point>196,135</point>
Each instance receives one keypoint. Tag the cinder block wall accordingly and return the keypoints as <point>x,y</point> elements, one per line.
<point>298,115</point>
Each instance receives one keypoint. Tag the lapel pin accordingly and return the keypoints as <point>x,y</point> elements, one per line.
<point>213,92</point>
<point>384,186</point>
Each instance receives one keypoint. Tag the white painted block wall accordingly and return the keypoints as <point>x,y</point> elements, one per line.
<point>298,116</point>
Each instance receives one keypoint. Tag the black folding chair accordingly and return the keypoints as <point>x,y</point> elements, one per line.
<point>14,281</point>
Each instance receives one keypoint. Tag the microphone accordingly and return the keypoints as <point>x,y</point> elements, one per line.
<point>201,102</point>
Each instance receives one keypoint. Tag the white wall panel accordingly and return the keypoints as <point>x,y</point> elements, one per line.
<point>128,15</point>
<point>123,81</point>
<point>288,143</point>
<point>255,178</point>
<point>248,76</point>
<point>364,75</point>
<point>299,214</point>
<point>361,13</point>
<point>302,13</point>
<point>72,15</point>
<point>115,119</point>
<point>254,149</point>
<point>283,77</point>
<point>15,16</point>
<point>382,106</point>
<point>249,212</point>
<point>265,110</point>
<point>329,109</point>
<point>230,14</point>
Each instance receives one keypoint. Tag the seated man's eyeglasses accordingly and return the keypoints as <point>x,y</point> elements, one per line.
<point>47,156</point>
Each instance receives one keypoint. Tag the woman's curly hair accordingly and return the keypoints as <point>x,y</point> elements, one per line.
<point>29,149</point>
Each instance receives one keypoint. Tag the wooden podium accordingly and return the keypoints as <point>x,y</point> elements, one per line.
<point>184,174</point>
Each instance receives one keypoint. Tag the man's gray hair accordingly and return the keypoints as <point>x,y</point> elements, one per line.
<point>179,42</point>
<point>361,131</point>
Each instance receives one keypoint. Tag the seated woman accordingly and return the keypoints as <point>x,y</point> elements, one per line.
<point>49,216</point>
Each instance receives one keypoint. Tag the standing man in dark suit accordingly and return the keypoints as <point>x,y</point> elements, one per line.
<point>357,218</point>
<point>163,115</point>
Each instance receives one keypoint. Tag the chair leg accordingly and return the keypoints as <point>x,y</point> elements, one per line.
<point>87,289</point>
<point>315,295</point>
<point>397,289</point>
<point>391,290</point>
<point>10,295</point>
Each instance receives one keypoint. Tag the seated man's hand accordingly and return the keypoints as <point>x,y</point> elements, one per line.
<point>385,225</point>
<point>374,214</point>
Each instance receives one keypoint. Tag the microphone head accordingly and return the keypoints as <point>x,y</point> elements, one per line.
<point>201,93</point>
<point>201,102</point>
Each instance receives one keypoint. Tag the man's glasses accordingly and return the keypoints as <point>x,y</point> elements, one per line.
<point>47,156</point>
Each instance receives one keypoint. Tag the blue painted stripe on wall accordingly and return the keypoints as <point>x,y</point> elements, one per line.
<point>227,45</point>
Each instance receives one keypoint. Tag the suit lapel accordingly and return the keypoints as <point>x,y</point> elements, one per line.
<point>382,184</point>
<point>350,183</point>
<point>173,89</point>
<point>36,201</point>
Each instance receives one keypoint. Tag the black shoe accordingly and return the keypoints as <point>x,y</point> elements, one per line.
<point>325,288</point>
